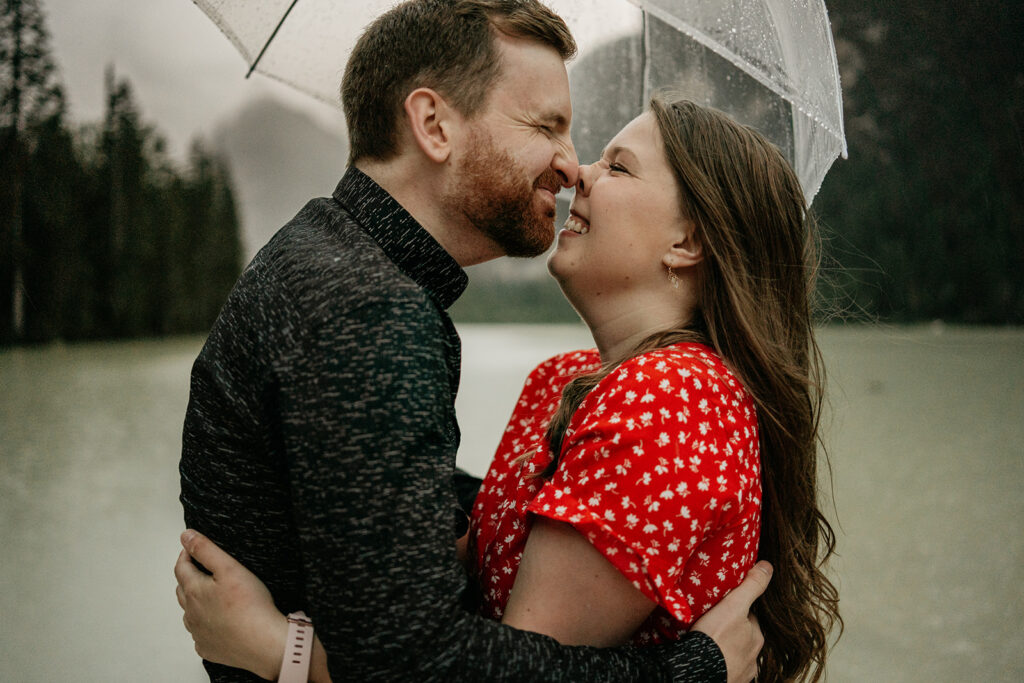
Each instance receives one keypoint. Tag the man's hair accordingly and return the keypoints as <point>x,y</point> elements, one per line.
<point>445,45</point>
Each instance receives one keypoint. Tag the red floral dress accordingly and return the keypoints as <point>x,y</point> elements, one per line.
<point>659,469</point>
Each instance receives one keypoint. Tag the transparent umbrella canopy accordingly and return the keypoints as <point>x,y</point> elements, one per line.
<point>770,64</point>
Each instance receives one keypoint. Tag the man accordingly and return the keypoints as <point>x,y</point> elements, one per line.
<point>320,437</point>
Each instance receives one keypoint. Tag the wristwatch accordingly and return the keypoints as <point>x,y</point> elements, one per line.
<point>298,651</point>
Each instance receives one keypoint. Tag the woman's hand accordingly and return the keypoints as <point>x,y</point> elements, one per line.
<point>462,550</point>
<point>734,628</point>
<point>230,613</point>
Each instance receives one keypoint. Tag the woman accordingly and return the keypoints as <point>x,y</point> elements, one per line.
<point>637,483</point>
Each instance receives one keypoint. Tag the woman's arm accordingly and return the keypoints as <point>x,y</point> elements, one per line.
<point>567,589</point>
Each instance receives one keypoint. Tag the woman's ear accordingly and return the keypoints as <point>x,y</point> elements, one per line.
<point>687,251</point>
<point>429,119</point>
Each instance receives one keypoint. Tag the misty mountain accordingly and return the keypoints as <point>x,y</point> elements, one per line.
<point>280,159</point>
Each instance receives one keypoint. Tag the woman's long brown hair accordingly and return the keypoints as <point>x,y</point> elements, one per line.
<point>756,284</point>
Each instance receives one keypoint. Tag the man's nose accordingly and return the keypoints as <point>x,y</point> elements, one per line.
<point>567,166</point>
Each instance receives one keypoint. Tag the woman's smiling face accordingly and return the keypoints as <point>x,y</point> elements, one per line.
<point>624,219</point>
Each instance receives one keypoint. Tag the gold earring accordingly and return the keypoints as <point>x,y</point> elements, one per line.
<point>673,278</point>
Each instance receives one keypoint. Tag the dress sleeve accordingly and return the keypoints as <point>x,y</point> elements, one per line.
<point>656,460</point>
<point>527,425</point>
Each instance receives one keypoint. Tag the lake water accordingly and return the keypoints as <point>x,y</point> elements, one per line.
<point>926,435</point>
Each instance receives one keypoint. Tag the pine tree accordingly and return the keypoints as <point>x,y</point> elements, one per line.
<point>56,275</point>
<point>210,237</point>
<point>125,231</point>
<point>30,96</point>
<point>223,257</point>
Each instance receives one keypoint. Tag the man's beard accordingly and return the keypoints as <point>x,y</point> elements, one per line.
<point>494,194</point>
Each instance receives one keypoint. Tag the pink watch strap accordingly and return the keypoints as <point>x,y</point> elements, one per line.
<point>298,651</point>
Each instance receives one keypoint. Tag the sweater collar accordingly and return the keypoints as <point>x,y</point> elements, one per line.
<point>403,240</point>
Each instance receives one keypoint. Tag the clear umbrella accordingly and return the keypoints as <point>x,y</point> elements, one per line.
<point>770,64</point>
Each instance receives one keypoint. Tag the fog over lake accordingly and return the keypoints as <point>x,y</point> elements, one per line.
<point>926,438</point>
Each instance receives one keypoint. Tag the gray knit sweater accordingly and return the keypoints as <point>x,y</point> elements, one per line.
<point>319,446</point>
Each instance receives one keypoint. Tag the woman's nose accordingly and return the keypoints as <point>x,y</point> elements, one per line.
<point>585,176</point>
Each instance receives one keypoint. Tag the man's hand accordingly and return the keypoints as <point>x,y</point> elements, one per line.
<point>230,613</point>
<point>734,628</point>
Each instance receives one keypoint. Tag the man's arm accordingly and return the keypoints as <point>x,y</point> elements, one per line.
<point>365,416</point>
<point>233,620</point>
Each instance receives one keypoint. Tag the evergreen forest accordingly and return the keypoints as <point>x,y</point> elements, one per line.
<point>101,236</point>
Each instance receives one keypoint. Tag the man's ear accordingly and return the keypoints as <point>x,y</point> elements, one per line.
<point>429,118</point>
<point>687,251</point>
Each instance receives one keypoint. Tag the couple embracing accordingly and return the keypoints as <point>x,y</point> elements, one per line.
<point>616,533</point>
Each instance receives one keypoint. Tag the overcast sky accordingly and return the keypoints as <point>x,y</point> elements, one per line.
<point>187,76</point>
